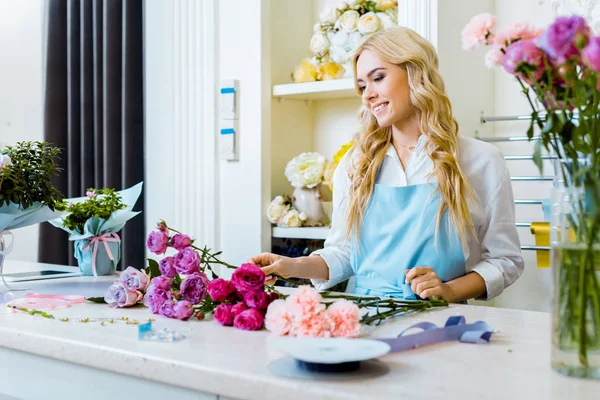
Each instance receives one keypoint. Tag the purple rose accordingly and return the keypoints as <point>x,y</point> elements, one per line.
<point>238,308</point>
<point>188,261</point>
<point>249,320</point>
<point>591,54</point>
<point>181,241</point>
<point>166,310</point>
<point>162,283</point>
<point>157,242</point>
<point>168,267</point>
<point>155,298</point>
<point>194,287</point>
<point>223,314</point>
<point>248,277</point>
<point>220,289</point>
<point>564,37</point>
<point>259,300</point>
<point>135,278</point>
<point>183,310</point>
<point>523,53</point>
<point>121,295</point>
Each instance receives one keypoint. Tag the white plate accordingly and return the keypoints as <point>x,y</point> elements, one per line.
<point>330,350</point>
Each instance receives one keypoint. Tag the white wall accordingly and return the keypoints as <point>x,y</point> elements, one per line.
<point>21,88</point>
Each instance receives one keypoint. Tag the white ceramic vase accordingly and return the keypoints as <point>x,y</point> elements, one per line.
<point>308,201</point>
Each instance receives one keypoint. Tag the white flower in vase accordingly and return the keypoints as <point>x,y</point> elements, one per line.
<point>275,211</point>
<point>291,219</point>
<point>348,20</point>
<point>306,170</point>
<point>329,15</point>
<point>368,23</point>
<point>386,20</point>
<point>319,44</point>
<point>354,4</point>
<point>383,5</point>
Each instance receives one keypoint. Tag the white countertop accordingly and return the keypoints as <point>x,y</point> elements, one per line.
<point>233,363</point>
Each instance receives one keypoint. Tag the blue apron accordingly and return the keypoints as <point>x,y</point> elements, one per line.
<point>398,233</point>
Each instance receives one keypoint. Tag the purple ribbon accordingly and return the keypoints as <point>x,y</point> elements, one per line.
<point>455,329</point>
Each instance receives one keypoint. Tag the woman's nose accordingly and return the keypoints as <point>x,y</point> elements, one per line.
<point>368,94</point>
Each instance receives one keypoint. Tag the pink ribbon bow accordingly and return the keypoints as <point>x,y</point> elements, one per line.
<point>105,238</point>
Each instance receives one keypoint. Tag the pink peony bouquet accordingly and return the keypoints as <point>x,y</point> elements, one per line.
<point>304,314</point>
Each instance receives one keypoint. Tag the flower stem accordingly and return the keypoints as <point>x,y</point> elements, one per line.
<point>31,311</point>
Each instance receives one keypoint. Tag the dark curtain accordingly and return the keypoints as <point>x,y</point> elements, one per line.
<point>94,110</point>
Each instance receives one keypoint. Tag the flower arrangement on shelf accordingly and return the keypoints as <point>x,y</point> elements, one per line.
<point>185,286</point>
<point>558,70</point>
<point>339,32</point>
<point>93,222</point>
<point>281,213</point>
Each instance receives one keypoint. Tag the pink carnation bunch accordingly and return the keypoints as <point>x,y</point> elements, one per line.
<point>304,314</point>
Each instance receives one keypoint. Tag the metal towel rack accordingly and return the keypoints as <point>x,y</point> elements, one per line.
<point>485,119</point>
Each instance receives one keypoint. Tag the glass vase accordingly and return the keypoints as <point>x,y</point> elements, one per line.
<point>575,258</point>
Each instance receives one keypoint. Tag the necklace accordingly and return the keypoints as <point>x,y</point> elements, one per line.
<point>407,147</point>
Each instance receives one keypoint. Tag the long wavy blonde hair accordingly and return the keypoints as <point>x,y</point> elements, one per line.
<point>407,49</point>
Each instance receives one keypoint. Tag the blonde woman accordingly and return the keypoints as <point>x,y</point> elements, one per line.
<point>418,209</point>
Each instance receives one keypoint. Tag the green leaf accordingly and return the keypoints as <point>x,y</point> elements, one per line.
<point>152,268</point>
<point>537,156</point>
<point>530,130</point>
<point>99,300</point>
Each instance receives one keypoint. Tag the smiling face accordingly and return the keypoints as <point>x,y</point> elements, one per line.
<point>385,90</point>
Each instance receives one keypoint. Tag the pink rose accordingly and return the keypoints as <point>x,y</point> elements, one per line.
<point>194,287</point>
<point>249,320</point>
<point>167,310</point>
<point>155,298</point>
<point>183,310</point>
<point>188,261</point>
<point>181,241</point>
<point>168,267</point>
<point>344,317</point>
<point>135,278</point>
<point>313,326</point>
<point>223,314</point>
<point>162,226</point>
<point>248,277</point>
<point>279,319</point>
<point>564,37</point>
<point>524,54</point>
<point>477,32</point>
<point>121,295</point>
<point>157,242</point>
<point>238,308</point>
<point>591,54</point>
<point>259,300</point>
<point>162,283</point>
<point>305,302</point>
<point>220,289</point>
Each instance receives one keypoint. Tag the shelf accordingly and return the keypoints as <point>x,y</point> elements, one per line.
<point>301,233</point>
<point>321,90</point>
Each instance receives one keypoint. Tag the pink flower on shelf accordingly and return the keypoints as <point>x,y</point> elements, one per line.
<point>187,261</point>
<point>249,320</point>
<point>248,277</point>
<point>220,289</point>
<point>477,32</point>
<point>181,241</point>
<point>313,326</point>
<point>279,319</point>
<point>135,278</point>
<point>305,302</point>
<point>591,54</point>
<point>121,295</point>
<point>183,310</point>
<point>493,58</point>
<point>524,54</point>
<point>223,314</point>
<point>564,37</point>
<point>344,316</point>
<point>157,242</point>
<point>90,194</point>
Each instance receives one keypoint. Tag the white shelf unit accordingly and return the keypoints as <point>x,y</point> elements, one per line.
<point>320,232</point>
<point>322,90</point>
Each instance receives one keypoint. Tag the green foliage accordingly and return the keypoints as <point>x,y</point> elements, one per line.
<point>100,204</point>
<point>27,180</point>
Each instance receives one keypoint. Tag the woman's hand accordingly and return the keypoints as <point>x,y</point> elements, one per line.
<point>425,283</point>
<point>273,264</point>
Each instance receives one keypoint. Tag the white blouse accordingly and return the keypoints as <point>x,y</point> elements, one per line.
<point>496,252</point>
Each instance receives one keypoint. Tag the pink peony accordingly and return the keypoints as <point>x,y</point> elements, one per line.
<point>183,310</point>
<point>564,37</point>
<point>157,242</point>
<point>220,289</point>
<point>162,283</point>
<point>258,300</point>
<point>494,57</point>
<point>167,310</point>
<point>248,277</point>
<point>187,261</point>
<point>223,314</point>
<point>313,326</point>
<point>591,54</point>
<point>120,294</point>
<point>181,241</point>
<point>238,308</point>
<point>135,278</point>
<point>194,287</point>
<point>279,319</point>
<point>344,316</point>
<point>305,302</point>
<point>168,267</point>
<point>155,298</point>
<point>162,226</point>
<point>524,53</point>
<point>517,31</point>
<point>477,31</point>
<point>249,320</point>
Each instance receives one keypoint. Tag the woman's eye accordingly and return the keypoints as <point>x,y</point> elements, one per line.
<point>378,78</point>
<point>361,89</point>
